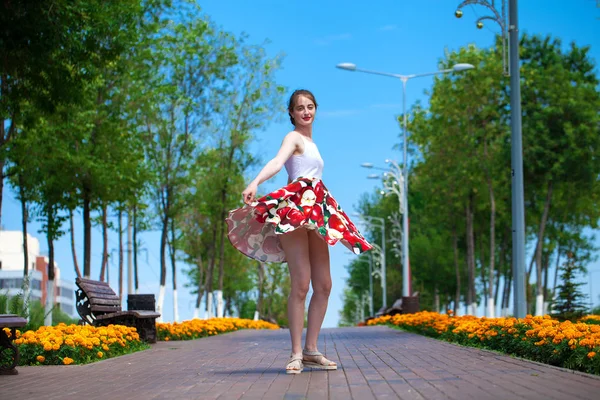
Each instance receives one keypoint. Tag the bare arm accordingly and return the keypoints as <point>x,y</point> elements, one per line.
<point>289,145</point>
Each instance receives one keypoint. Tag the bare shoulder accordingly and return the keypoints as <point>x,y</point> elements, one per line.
<point>293,136</point>
<point>293,139</point>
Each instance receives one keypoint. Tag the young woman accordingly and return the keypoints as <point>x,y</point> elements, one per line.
<point>296,224</point>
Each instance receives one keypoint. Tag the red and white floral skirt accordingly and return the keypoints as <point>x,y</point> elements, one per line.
<point>305,203</point>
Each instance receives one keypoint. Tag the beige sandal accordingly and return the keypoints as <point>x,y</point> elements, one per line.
<point>294,365</point>
<point>317,361</point>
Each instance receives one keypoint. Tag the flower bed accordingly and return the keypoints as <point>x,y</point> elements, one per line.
<point>75,344</point>
<point>565,344</point>
<point>198,328</point>
<point>80,344</point>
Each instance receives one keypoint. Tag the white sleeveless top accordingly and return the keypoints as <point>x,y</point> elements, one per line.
<point>308,165</point>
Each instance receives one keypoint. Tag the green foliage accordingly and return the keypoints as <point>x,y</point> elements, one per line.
<point>34,311</point>
<point>247,309</point>
<point>595,310</point>
<point>570,304</point>
<point>555,344</point>
<point>460,148</point>
<point>60,345</point>
<point>3,303</point>
<point>145,104</point>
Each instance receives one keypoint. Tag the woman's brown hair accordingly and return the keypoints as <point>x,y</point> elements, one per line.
<point>294,97</point>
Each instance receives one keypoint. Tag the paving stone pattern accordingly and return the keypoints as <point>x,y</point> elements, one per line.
<point>373,363</point>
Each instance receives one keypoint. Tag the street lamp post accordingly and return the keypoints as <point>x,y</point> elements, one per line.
<point>518,211</point>
<point>395,186</point>
<point>370,255</point>
<point>367,219</point>
<point>371,313</point>
<point>404,79</point>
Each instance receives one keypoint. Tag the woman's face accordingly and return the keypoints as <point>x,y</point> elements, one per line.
<point>304,111</point>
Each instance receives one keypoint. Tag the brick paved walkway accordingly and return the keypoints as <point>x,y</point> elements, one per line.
<point>375,363</point>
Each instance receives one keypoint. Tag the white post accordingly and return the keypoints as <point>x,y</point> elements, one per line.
<point>49,302</point>
<point>219,296</point>
<point>491,313</point>
<point>175,308</point>
<point>160,302</point>
<point>209,306</point>
<point>539,305</point>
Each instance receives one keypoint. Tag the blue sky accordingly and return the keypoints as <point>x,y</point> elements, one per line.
<point>356,118</point>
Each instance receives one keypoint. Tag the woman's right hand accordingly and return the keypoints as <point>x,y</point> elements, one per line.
<point>248,195</point>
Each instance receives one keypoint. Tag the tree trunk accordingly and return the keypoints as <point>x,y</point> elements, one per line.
<point>224,190</point>
<point>73,251</point>
<point>261,289</point>
<point>172,250</point>
<point>530,268</point>
<point>221,266</point>
<point>556,267</point>
<point>129,254</point>
<point>496,289</point>
<point>24,220</point>
<point>539,304</point>
<point>228,306</point>
<point>490,301</point>
<point>471,303</point>
<point>508,290</point>
<point>120,228</point>
<point>456,269</point>
<point>50,285</point>
<point>483,277</point>
<point>222,248</point>
<point>208,285</point>
<point>546,261</point>
<point>163,261</point>
<point>87,232</point>
<point>501,273</point>
<point>104,266</point>
<point>200,266</point>
<point>491,305</point>
<point>135,250</point>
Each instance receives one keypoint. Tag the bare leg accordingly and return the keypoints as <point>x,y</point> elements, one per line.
<point>295,245</point>
<point>321,283</point>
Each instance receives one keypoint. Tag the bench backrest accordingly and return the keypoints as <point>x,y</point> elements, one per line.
<point>12,321</point>
<point>95,298</point>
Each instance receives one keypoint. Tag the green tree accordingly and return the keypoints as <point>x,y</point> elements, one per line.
<point>570,303</point>
<point>64,45</point>
<point>560,131</point>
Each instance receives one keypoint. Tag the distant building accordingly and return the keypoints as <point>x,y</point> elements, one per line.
<point>11,272</point>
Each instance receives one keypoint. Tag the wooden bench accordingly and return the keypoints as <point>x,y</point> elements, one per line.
<point>98,305</point>
<point>403,305</point>
<point>9,353</point>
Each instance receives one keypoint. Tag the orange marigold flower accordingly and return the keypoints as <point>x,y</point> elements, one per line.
<point>41,358</point>
<point>100,354</point>
<point>67,361</point>
<point>591,354</point>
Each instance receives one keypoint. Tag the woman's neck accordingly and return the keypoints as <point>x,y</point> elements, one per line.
<point>305,130</point>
